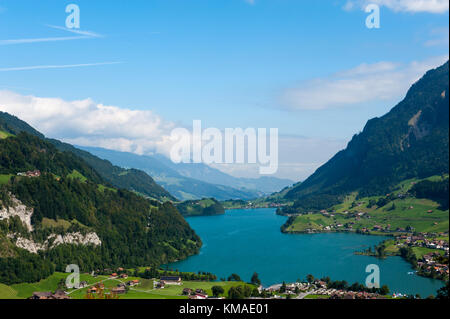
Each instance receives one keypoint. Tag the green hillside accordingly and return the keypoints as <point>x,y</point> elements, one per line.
<point>411,141</point>
<point>145,290</point>
<point>398,211</point>
<point>203,207</point>
<point>70,196</point>
<point>134,180</point>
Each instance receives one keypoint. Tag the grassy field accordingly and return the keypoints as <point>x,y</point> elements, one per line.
<point>4,134</point>
<point>144,290</point>
<point>420,251</point>
<point>7,292</point>
<point>422,214</point>
<point>408,212</point>
<point>4,178</point>
<point>51,223</point>
<point>103,187</point>
<point>77,175</point>
<point>393,250</point>
<point>317,297</point>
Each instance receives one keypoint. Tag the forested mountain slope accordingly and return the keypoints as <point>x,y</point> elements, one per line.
<point>66,213</point>
<point>131,179</point>
<point>409,141</point>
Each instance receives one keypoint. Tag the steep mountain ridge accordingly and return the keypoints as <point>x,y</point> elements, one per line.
<point>409,141</point>
<point>55,210</point>
<point>131,179</point>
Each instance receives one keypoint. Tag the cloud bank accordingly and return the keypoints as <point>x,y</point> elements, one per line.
<point>87,123</point>
<point>412,6</point>
<point>364,83</point>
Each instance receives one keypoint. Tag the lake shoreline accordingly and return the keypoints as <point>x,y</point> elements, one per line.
<point>248,241</point>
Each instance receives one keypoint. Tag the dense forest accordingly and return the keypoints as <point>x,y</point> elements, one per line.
<point>204,207</point>
<point>435,190</point>
<point>411,141</point>
<point>130,179</point>
<point>134,231</point>
<point>26,152</point>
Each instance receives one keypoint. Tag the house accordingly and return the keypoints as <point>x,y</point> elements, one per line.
<point>92,290</point>
<point>133,283</point>
<point>59,294</point>
<point>113,274</point>
<point>198,296</point>
<point>41,295</point>
<point>187,291</point>
<point>35,173</point>
<point>119,290</point>
<point>322,284</point>
<point>125,276</point>
<point>160,285</point>
<point>83,284</point>
<point>171,280</point>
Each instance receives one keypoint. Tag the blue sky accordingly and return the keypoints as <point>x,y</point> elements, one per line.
<point>311,68</point>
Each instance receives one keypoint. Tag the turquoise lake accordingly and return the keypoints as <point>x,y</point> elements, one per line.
<point>247,241</point>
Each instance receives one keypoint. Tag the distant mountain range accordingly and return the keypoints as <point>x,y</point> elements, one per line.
<point>193,181</point>
<point>411,141</point>
<point>139,173</point>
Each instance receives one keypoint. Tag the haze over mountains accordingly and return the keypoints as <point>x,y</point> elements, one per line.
<point>193,181</point>
<point>139,173</point>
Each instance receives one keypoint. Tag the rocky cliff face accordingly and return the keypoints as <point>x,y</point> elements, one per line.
<point>17,208</point>
<point>54,240</point>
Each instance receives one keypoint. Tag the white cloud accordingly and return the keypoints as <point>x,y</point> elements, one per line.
<point>76,31</point>
<point>81,35</point>
<point>364,83</point>
<point>413,6</point>
<point>63,66</point>
<point>87,123</point>
<point>38,40</point>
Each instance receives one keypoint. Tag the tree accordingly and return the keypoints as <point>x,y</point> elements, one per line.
<point>255,280</point>
<point>234,277</point>
<point>384,290</point>
<point>235,293</point>
<point>283,288</point>
<point>217,291</point>
<point>310,278</point>
<point>443,292</point>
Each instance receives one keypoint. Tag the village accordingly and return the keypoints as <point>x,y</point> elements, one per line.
<point>433,263</point>
<point>118,284</point>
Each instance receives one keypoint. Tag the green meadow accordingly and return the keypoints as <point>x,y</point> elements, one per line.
<point>144,290</point>
<point>4,134</point>
<point>423,215</point>
<point>4,178</point>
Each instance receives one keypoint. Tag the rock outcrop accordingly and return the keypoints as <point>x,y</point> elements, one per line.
<point>18,209</point>
<point>52,241</point>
